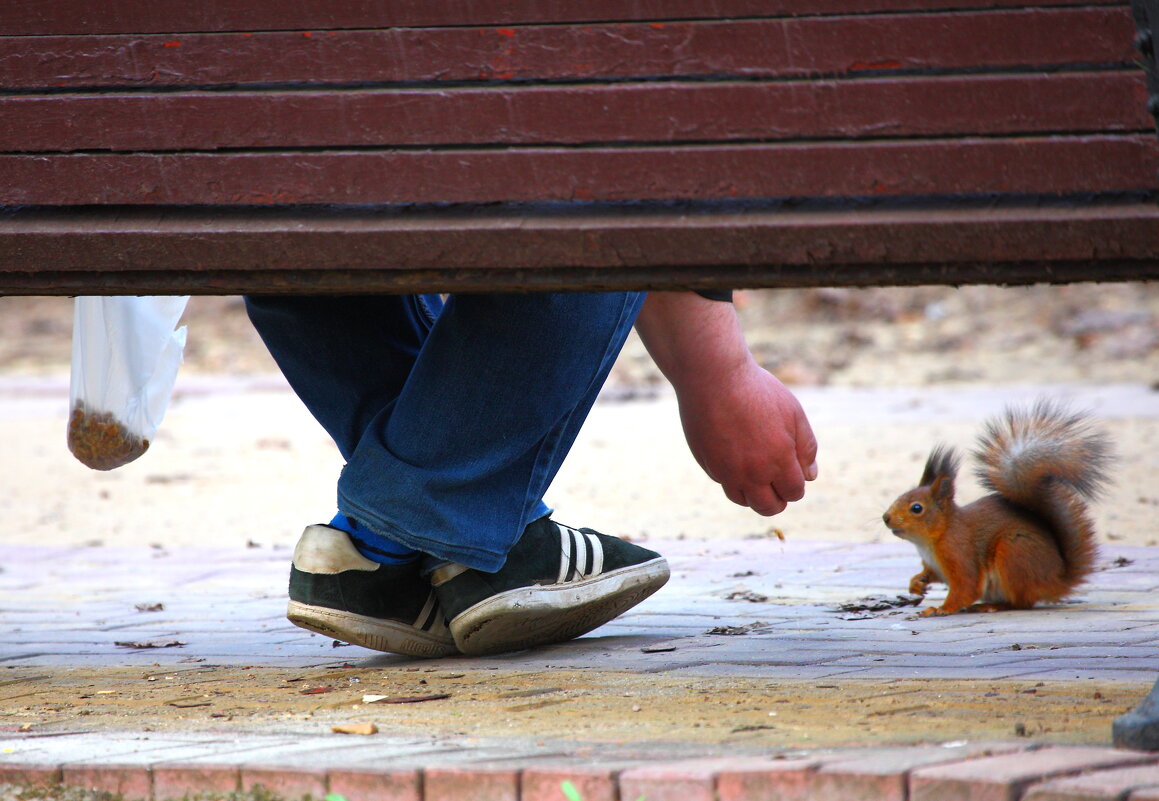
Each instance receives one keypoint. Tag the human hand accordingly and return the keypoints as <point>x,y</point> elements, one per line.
<point>749,434</point>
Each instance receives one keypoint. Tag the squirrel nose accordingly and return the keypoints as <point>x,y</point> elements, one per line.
<point>885,518</point>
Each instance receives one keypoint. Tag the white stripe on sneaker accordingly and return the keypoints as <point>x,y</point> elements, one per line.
<point>566,551</point>
<point>426,618</point>
<point>581,555</point>
<point>597,555</point>
<point>582,551</point>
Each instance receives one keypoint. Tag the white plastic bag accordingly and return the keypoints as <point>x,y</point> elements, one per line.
<point>125,354</point>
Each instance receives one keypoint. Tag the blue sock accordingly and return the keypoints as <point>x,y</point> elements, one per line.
<point>373,546</point>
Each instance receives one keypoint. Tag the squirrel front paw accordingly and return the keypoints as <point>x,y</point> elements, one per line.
<point>933,611</point>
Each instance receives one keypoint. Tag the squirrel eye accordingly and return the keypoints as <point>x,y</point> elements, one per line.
<point>916,508</point>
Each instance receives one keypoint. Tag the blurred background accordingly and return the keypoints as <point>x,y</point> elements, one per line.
<point>884,374</point>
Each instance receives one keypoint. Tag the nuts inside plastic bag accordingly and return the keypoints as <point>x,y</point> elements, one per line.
<point>126,351</point>
<point>100,441</point>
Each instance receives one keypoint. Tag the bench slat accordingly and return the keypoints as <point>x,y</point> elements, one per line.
<point>759,48</point>
<point>38,18</point>
<point>1096,163</point>
<point>617,113</point>
<point>126,252</point>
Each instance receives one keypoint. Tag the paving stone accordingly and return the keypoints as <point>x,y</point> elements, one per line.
<point>176,781</point>
<point>953,662</point>
<point>474,783</point>
<point>35,774</point>
<point>150,753</point>
<point>88,748</point>
<point>781,672</point>
<point>1005,777</point>
<point>285,782</point>
<point>1099,785</point>
<point>290,751</point>
<point>766,780</point>
<point>593,782</point>
<point>132,782</point>
<point>692,780</point>
<point>1005,672</point>
<point>882,774</point>
<point>1124,675</point>
<point>380,785</point>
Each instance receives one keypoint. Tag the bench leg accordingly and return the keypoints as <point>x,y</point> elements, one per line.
<point>1139,728</point>
<point>1146,13</point>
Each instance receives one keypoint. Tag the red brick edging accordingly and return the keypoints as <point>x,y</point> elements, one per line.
<point>951,772</point>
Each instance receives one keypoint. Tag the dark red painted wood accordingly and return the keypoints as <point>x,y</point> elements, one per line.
<point>780,48</point>
<point>46,17</point>
<point>121,252</point>
<point>1097,163</point>
<point>908,98</point>
<point>994,104</point>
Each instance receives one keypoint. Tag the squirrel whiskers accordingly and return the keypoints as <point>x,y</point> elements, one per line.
<point>1031,539</point>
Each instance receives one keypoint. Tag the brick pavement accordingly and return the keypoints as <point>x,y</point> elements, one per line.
<point>779,600</point>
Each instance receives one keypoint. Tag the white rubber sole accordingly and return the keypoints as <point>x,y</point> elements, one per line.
<point>374,633</point>
<point>543,614</point>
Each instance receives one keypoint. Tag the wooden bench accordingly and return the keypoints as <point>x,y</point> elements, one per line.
<point>450,145</point>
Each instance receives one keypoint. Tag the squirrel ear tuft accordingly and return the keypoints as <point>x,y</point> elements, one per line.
<point>942,490</point>
<point>943,463</point>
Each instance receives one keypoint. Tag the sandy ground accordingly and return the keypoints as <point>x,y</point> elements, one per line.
<point>883,374</point>
<point>588,705</point>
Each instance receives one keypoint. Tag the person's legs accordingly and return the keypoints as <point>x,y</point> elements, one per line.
<point>346,357</point>
<point>452,433</point>
<point>457,466</point>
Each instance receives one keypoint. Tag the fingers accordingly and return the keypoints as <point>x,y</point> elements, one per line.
<point>735,495</point>
<point>806,447</point>
<point>765,502</point>
<point>770,497</point>
<point>768,488</point>
<point>762,501</point>
<point>766,499</point>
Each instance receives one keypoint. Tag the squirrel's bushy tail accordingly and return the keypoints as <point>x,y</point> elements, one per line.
<point>1050,461</point>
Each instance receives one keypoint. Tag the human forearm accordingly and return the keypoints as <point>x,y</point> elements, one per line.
<point>743,426</point>
<point>691,338</point>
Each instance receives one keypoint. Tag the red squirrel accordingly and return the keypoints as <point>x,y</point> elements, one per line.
<point>1031,539</point>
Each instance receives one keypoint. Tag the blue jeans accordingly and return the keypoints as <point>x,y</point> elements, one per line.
<point>452,419</point>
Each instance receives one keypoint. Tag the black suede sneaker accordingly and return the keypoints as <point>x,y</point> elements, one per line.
<point>338,592</point>
<point>558,583</point>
